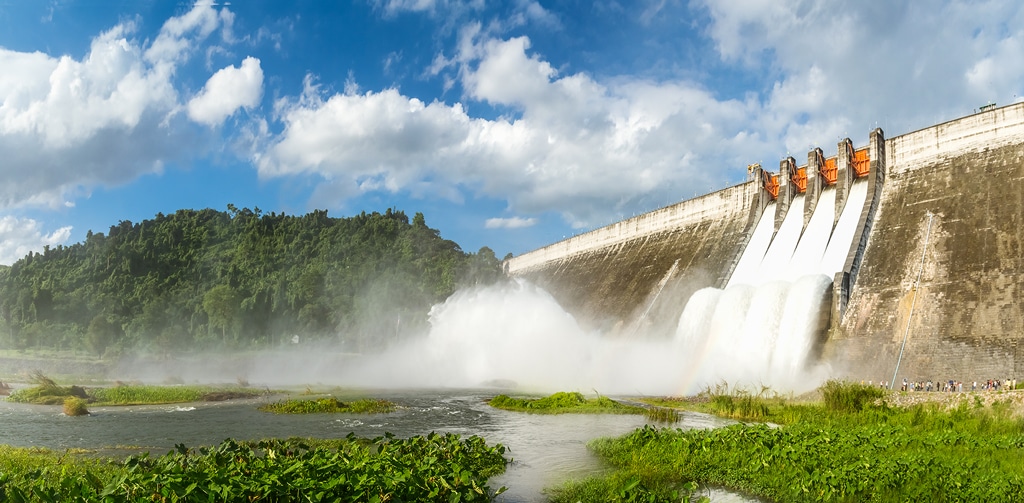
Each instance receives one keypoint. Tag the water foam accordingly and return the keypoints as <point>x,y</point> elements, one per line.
<point>516,334</point>
<point>763,328</point>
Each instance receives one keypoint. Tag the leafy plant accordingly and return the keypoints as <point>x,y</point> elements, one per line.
<point>851,446</point>
<point>422,468</point>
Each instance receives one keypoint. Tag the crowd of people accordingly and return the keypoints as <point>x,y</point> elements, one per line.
<point>951,386</point>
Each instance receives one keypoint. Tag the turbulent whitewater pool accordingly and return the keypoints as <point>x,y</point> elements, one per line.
<point>546,449</point>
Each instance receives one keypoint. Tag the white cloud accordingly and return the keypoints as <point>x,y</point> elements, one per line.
<point>900,65</point>
<point>509,223</point>
<point>67,125</point>
<point>593,151</point>
<point>178,35</point>
<point>18,236</point>
<point>226,91</point>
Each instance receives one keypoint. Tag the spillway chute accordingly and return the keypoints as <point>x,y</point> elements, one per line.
<point>777,304</point>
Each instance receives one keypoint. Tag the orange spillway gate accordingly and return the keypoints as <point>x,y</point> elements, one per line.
<point>799,179</point>
<point>861,163</point>
<point>829,171</point>
<point>771,184</point>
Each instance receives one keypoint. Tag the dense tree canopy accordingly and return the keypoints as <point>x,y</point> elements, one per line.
<point>197,279</point>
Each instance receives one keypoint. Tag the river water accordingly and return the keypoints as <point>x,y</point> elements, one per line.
<point>546,449</point>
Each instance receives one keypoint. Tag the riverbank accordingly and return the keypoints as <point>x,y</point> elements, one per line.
<point>857,443</point>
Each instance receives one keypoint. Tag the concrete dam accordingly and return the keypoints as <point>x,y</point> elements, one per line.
<point>917,241</point>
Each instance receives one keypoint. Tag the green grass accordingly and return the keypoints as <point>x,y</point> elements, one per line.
<point>48,392</point>
<point>564,403</point>
<point>850,447</point>
<point>422,468</point>
<point>75,407</point>
<point>329,405</point>
<point>145,394</point>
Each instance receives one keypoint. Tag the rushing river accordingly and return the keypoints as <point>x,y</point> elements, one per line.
<point>546,449</point>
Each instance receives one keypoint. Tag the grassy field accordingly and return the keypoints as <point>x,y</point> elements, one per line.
<point>850,446</point>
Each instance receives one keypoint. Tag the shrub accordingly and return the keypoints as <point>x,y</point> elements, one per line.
<point>75,407</point>
<point>841,396</point>
<point>46,391</point>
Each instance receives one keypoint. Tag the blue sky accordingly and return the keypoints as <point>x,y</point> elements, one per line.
<point>508,124</point>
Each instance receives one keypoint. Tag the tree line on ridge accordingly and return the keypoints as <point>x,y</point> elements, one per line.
<point>199,279</point>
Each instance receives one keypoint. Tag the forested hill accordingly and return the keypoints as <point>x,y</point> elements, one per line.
<point>206,278</point>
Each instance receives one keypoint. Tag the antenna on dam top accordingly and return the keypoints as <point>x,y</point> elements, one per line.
<point>751,168</point>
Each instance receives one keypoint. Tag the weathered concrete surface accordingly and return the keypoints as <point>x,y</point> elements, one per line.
<point>635,276</point>
<point>968,319</point>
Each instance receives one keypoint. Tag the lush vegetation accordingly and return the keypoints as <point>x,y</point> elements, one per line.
<point>430,468</point>
<point>48,392</point>
<point>196,279</point>
<point>144,394</point>
<point>329,405</point>
<point>564,402</point>
<point>849,447</point>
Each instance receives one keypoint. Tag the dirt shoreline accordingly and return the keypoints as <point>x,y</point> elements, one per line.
<point>952,400</point>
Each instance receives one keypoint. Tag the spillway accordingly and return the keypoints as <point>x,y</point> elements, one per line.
<point>750,262</point>
<point>761,328</point>
<point>842,237</point>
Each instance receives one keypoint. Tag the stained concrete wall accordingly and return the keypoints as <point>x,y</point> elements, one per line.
<point>636,275</point>
<point>967,321</point>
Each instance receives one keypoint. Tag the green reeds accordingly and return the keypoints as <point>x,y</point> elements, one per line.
<point>144,394</point>
<point>662,415</point>
<point>843,396</point>
<point>46,391</point>
<point>564,402</point>
<point>330,405</point>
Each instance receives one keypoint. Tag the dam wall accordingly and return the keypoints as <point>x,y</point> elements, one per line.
<point>638,273</point>
<point>933,280</point>
<point>951,210</point>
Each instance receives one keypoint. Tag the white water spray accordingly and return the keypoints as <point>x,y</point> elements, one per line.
<point>516,334</point>
<point>763,327</point>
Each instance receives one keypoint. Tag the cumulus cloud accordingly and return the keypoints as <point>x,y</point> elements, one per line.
<point>228,90</point>
<point>577,144</point>
<point>861,64</point>
<point>178,35</point>
<point>67,125</point>
<point>19,236</point>
<point>509,223</point>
